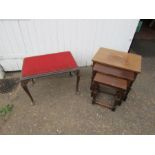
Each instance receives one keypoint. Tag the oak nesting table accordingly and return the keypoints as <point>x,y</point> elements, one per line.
<point>116,69</point>
<point>116,59</point>
<point>46,65</point>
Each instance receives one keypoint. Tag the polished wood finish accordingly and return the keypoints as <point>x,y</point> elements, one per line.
<point>119,84</point>
<point>114,72</point>
<point>117,59</point>
<point>111,81</point>
<point>115,69</point>
<point>24,81</point>
<point>24,86</point>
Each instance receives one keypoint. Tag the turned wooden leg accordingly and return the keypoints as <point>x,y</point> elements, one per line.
<point>78,80</point>
<point>92,89</point>
<point>24,86</point>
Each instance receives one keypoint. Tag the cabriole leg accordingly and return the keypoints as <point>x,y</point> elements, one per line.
<point>24,86</point>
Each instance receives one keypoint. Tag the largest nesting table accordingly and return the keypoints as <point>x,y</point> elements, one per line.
<point>49,64</point>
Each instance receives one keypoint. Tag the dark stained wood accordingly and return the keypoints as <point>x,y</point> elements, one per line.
<point>24,86</point>
<point>24,81</point>
<point>111,81</point>
<point>118,59</point>
<point>77,80</point>
<point>114,71</point>
<point>118,96</point>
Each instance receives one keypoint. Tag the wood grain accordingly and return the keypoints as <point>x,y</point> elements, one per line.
<point>128,75</point>
<point>111,81</point>
<point>113,58</point>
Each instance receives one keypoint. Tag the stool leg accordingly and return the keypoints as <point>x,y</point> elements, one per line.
<point>33,82</point>
<point>24,86</point>
<point>70,74</point>
<point>78,80</point>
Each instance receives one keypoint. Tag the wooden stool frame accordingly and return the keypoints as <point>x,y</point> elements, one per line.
<point>24,81</point>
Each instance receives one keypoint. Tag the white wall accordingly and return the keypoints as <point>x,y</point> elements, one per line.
<point>20,38</point>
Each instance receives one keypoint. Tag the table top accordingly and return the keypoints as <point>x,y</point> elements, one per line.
<point>123,60</point>
<point>49,63</point>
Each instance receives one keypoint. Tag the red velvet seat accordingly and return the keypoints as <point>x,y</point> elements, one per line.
<point>49,63</point>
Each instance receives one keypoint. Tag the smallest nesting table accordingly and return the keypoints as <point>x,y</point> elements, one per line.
<point>49,64</point>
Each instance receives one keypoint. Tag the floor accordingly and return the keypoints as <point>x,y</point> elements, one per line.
<point>59,110</point>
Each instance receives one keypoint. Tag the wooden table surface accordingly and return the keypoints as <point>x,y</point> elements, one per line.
<point>123,60</point>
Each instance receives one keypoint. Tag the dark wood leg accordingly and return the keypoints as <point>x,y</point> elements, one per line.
<point>24,86</point>
<point>94,86</point>
<point>120,96</point>
<point>78,80</point>
<point>113,108</point>
<point>116,102</point>
<point>127,91</point>
<point>70,74</point>
<point>118,99</point>
<point>98,88</point>
<point>92,89</point>
<point>33,82</point>
<point>92,77</point>
<point>93,74</point>
<point>94,93</point>
<point>129,87</point>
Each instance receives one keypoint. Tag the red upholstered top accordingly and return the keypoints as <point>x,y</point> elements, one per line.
<point>48,63</point>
